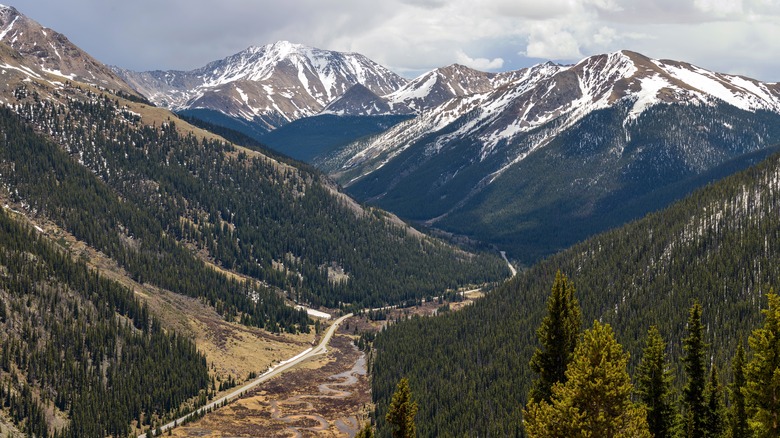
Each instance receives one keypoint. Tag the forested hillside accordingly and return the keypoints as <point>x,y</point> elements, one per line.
<point>592,176</point>
<point>44,179</point>
<point>154,196</point>
<point>81,355</point>
<point>470,370</point>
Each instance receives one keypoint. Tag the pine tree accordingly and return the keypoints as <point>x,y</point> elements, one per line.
<point>762,389</point>
<point>695,409</point>
<point>596,398</point>
<point>714,425</point>
<point>366,432</point>
<point>402,410</point>
<point>558,336</point>
<point>654,386</point>
<point>738,424</point>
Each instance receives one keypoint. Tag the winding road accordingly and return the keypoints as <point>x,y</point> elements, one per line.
<point>283,366</point>
<point>511,268</point>
<point>321,348</point>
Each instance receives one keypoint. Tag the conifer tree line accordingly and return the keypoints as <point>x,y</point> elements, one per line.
<point>80,345</point>
<point>716,247</point>
<point>158,193</point>
<point>594,395</point>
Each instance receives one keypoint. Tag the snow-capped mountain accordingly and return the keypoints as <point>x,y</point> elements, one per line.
<point>273,84</point>
<point>442,84</point>
<point>52,52</point>
<point>620,123</point>
<point>539,95</point>
<point>424,92</point>
<point>360,101</point>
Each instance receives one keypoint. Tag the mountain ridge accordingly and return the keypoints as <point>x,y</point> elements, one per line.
<point>271,84</point>
<point>53,53</point>
<point>626,124</point>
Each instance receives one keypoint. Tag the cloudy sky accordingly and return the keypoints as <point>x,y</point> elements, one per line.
<point>413,36</point>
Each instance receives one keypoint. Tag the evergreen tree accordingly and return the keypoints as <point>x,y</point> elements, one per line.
<point>366,432</point>
<point>738,424</point>
<point>714,424</point>
<point>558,334</point>
<point>654,385</point>
<point>762,390</point>
<point>402,411</point>
<point>595,401</point>
<point>694,405</point>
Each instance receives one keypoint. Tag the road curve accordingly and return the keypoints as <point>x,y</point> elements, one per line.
<point>321,348</point>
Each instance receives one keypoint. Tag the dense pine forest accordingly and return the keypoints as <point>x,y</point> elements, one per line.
<point>48,182</point>
<point>79,347</point>
<point>151,191</point>
<point>470,369</point>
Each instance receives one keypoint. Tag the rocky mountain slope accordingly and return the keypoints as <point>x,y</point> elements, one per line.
<point>422,93</point>
<point>52,52</point>
<point>548,92</point>
<point>583,143</point>
<point>481,155</point>
<point>271,85</point>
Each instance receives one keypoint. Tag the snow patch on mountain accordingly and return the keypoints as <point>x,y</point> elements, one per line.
<point>647,96</point>
<point>281,81</point>
<point>52,52</point>
<point>9,27</point>
<point>530,99</point>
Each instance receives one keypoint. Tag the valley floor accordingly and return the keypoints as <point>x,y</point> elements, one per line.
<point>325,396</point>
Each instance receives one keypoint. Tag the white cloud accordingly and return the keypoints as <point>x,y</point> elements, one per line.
<point>551,41</point>
<point>531,9</point>
<point>719,8</point>
<point>605,36</point>
<point>417,35</point>
<point>479,63</point>
<point>606,5</point>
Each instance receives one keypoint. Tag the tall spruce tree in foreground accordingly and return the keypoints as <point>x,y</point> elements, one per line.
<point>714,425</point>
<point>762,391</point>
<point>558,336</point>
<point>402,411</point>
<point>595,401</point>
<point>694,405</point>
<point>654,386</point>
<point>738,424</point>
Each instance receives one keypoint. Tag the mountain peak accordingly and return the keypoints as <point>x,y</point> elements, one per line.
<point>53,53</point>
<point>273,84</point>
<point>359,100</point>
<point>457,68</point>
<point>281,49</point>
<point>440,85</point>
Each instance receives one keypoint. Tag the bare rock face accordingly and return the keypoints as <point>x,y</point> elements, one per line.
<point>52,52</point>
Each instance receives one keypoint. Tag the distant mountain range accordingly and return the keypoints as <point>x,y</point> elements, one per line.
<point>270,85</point>
<point>530,161</point>
<point>99,180</point>
<point>556,153</point>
